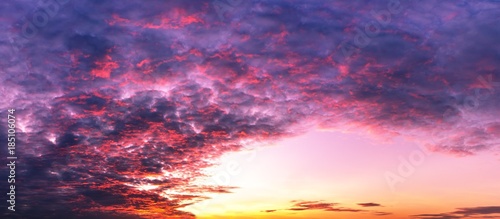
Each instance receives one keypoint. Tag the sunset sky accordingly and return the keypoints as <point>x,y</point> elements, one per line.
<point>252,109</point>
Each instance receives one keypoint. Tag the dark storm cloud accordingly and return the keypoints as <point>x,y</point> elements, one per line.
<point>132,100</point>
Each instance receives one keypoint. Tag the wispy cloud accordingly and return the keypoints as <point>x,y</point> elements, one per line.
<point>482,211</point>
<point>327,206</point>
<point>369,204</point>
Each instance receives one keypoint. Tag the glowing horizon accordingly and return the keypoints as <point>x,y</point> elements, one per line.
<point>250,109</point>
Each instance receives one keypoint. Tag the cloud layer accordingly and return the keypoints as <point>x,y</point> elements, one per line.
<point>121,105</point>
<point>476,212</point>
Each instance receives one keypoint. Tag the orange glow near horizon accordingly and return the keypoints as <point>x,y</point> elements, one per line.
<point>345,169</point>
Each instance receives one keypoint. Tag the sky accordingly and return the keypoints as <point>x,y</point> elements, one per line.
<point>252,109</point>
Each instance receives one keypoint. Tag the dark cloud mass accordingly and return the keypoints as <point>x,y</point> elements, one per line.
<point>121,105</point>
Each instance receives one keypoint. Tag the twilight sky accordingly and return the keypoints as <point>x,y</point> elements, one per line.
<point>252,109</point>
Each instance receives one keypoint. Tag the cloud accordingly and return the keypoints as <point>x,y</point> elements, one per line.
<point>133,100</point>
<point>311,205</point>
<point>478,210</point>
<point>369,204</point>
<point>380,213</point>
<point>299,205</point>
<point>482,211</point>
<point>318,205</point>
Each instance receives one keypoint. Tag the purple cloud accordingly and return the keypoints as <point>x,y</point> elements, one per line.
<point>113,98</point>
